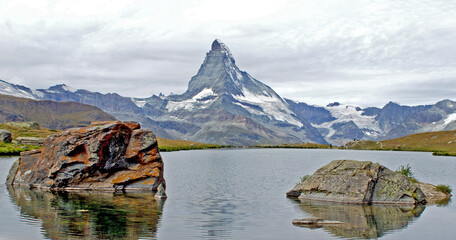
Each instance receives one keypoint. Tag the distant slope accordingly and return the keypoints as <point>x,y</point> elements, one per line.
<point>442,142</point>
<point>167,145</point>
<point>50,114</point>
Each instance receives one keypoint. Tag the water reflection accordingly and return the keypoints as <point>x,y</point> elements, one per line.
<point>362,221</point>
<point>90,215</point>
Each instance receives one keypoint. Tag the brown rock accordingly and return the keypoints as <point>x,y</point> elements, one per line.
<point>103,156</point>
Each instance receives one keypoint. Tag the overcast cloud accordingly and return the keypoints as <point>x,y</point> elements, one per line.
<point>318,51</point>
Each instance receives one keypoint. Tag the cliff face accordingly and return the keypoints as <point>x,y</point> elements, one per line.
<point>103,156</point>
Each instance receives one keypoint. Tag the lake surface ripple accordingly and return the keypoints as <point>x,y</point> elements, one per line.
<point>229,194</point>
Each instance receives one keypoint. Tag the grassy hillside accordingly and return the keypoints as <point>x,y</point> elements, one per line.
<point>18,129</point>
<point>297,145</point>
<point>50,114</point>
<point>167,145</point>
<point>441,143</point>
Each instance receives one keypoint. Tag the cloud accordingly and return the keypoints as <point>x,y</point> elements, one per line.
<point>352,51</point>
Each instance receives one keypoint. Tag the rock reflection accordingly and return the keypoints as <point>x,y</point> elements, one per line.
<point>365,222</point>
<point>90,215</point>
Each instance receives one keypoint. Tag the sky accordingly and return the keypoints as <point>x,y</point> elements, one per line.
<point>359,52</point>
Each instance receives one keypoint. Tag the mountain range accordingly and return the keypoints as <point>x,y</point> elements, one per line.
<point>225,105</point>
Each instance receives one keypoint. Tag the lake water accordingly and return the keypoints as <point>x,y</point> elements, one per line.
<point>229,194</point>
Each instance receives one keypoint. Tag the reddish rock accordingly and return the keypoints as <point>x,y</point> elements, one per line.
<point>103,156</point>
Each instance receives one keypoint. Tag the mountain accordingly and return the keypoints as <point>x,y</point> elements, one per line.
<point>7,88</point>
<point>225,105</point>
<point>438,117</point>
<point>123,108</point>
<point>339,123</point>
<point>50,114</point>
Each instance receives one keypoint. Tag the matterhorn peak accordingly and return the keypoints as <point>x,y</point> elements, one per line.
<point>219,46</point>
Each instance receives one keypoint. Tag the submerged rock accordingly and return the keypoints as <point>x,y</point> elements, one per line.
<point>103,156</point>
<point>349,181</point>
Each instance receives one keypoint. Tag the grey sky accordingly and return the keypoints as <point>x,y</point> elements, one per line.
<point>317,51</point>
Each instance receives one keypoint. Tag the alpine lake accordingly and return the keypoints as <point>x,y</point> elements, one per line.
<point>230,194</point>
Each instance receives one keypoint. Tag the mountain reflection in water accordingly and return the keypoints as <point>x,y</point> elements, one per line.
<point>90,215</point>
<point>365,222</point>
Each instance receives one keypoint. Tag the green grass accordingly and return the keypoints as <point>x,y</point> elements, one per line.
<point>21,130</point>
<point>443,188</point>
<point>11,149</point>
<point>441,143</point>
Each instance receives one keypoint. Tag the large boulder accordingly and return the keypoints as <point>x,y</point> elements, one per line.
<point>359,182</point>
<point>5,136</point>
<point>113,156</point>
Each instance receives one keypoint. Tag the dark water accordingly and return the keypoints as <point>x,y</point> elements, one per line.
<point>229,194</point>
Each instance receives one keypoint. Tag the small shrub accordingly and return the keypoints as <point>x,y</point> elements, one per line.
<point>407,171</point>
<point>443,188</point>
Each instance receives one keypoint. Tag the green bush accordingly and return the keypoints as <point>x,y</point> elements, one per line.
<point>407,171</point>
<point>443,188</point>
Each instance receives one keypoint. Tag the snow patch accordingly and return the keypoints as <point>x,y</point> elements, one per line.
<point>346,113</point>
<point>193,102</point>
<point>272,106</point>
<point>450,118</point>
<point>207,92</point>
<point>38,93</point>
<point>68,88</point>
<point>138,102</point>
<point>11,90</point>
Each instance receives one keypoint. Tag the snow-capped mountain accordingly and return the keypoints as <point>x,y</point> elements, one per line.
<point>349,123</point>
<point>225,105</point>
<point>10,89</point>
